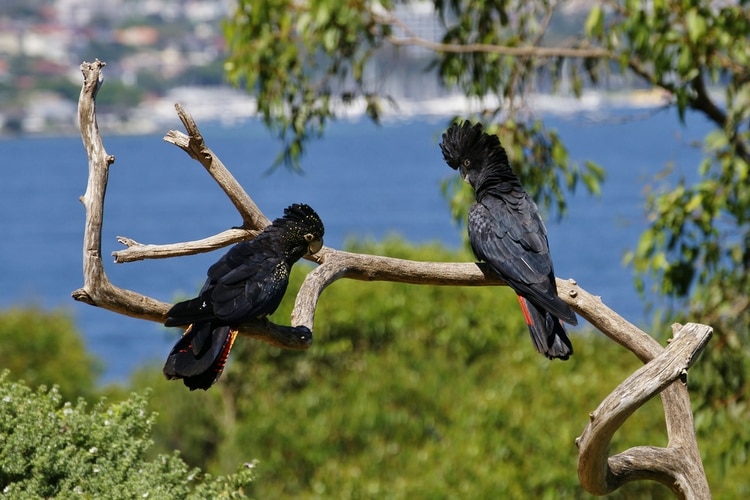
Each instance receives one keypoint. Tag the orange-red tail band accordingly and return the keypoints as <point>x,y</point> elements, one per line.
<point>525,310</point>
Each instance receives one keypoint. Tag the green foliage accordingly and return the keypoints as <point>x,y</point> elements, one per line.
<point>699,228</point>
<point>409,391</point>
<point>196,424</point>
<point>538,156</point>
<point>297,57</point>
<point>303,60</point>
<point>416,392</point>
<point>46,350</point>
<point>53,449</point>
<point>696,246</point>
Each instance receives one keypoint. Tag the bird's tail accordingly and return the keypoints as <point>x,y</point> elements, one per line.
<point>547,332</point>
<point>198,358</point>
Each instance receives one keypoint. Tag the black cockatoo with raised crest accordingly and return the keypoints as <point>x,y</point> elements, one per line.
<point>246,283</point>
<point>507,232</point>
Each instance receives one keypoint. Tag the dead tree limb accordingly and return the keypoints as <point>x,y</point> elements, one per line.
<point>678,466</point>
<point>97,289</point>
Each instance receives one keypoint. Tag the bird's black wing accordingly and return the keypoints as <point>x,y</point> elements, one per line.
<point>190,311</point>
<point>510,237</point>
<point>248,282</point>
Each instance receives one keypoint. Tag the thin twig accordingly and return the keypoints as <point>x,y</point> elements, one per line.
<point>518,51</point>
<point>192,143</point>
<point>140,251</point>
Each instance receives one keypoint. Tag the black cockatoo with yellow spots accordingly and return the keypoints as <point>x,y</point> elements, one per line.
<point>248,282</point>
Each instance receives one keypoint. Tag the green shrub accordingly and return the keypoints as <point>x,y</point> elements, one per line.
<point>50,448</point>
<point>44,347</point>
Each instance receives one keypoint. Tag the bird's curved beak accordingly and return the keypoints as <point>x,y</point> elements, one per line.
<point>464,174</point>
<point>315,246</point>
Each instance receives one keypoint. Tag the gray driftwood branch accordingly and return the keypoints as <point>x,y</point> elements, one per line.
<point>678,466</point>
<point>97,290</point>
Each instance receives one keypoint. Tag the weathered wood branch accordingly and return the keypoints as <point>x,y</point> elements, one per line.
<point>678,466</point>
<point>253,218</point>
<point>138,251</point>
<point>97,289</point>
<point>192,143</point>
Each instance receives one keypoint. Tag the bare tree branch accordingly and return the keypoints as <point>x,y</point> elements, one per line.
<point>138,251</point>
<point>534,50</point>
<point>678,466</point>
<point>519,51</point>
<point>193,144</point>
<point>97,289</point>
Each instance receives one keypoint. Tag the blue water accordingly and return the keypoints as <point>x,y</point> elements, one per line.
<point>364,181</point>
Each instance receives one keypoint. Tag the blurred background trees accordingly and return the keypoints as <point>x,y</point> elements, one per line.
<point>408,392</point>
<point>694,254</point>
<point>44,348</point>
<point>308,62</point>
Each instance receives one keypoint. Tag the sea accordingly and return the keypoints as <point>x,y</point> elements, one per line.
<point>366,181</point>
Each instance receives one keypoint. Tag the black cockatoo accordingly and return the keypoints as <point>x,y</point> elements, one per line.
<point>247,282</point>
<point>506,232</point>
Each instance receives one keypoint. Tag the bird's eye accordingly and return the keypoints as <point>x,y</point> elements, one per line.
<point>467,162</point>
<point>309,237</point>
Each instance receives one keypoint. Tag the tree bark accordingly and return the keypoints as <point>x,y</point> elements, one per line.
<point>678,466</point>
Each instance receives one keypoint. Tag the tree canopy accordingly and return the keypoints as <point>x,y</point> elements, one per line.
<point>306,61</point>
<point>51,448</point>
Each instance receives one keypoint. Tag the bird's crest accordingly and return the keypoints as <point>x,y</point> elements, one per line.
<point>301,216</point>
<point>300,227</point>
<point>466,142</point>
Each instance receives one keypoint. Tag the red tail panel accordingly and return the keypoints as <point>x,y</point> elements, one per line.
<point>222,359</point>
<point>525,310</point>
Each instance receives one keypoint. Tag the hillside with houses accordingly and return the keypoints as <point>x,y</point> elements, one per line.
<point>150,46</point>
<point>159,52</point>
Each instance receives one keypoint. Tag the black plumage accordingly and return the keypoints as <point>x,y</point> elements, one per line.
<point>246,283</point>
<point>507,232</point>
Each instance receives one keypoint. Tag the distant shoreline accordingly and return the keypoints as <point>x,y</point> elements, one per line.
<point>230,107</point>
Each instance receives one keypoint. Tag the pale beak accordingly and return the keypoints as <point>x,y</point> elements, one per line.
<point>464,174</point>
<point>315,246</point>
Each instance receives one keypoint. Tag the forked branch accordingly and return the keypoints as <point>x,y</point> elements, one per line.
<point>665,372</point>
<point>678,466</point>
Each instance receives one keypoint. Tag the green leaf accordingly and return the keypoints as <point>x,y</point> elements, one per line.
<point>303,22</point>
<point>645,245</point>
<point>685,60</point>
<point>695,201</point>
<point>696,25</point>
<point>594,26</point>
<point>716,139</point>
<point>323,14</point>
<point>330,39</point>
